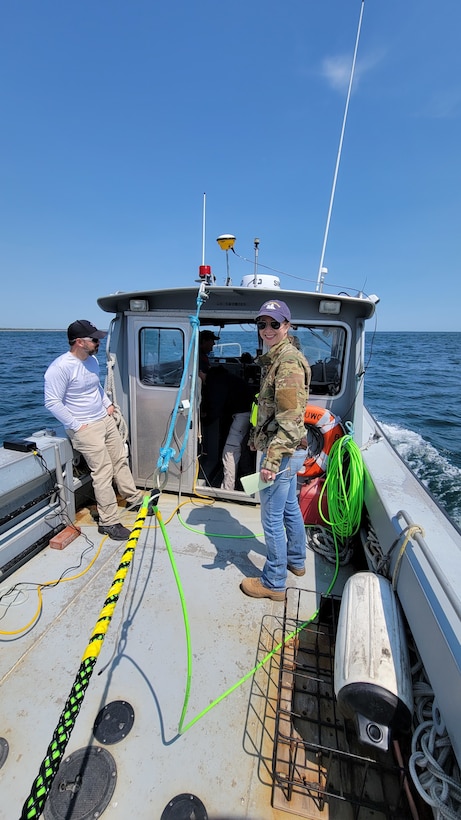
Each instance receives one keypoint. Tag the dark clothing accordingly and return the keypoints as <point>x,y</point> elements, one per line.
<point>224,394</point>
<point>203,363</point>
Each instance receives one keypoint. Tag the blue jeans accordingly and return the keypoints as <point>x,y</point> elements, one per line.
<point>283,524</point>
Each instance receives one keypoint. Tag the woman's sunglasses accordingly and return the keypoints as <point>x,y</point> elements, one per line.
<point>262,325</point>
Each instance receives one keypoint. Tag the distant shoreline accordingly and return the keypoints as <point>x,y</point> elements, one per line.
<point>32,330</point>
<point>64,330</point>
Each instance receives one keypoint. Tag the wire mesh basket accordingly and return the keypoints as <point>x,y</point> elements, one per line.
<point>319,768</point>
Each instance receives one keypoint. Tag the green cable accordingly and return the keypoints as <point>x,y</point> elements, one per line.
<point>158,515</point>
<point>344,485</point>
<point>262,662</point>
<point>182,729</point>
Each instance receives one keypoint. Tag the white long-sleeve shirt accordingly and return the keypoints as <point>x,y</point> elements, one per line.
<point>73,392</point>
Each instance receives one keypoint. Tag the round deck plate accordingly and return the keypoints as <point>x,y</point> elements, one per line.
<point>113,722</point>
<point>83,786</point>
<point>4,749</point>
<point>184,807</point>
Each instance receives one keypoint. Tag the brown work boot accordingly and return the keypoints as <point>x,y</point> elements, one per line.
<point>255,589</point>
<point>297,570</point>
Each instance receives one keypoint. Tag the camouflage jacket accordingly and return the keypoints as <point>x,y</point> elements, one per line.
<point>281,403</point>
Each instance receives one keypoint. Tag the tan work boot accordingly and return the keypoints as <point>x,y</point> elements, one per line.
<point>297,570</point>
<point>255,589</point>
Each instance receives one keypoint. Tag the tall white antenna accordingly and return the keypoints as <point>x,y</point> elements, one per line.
<point>204,271</point>
<point>203,229</point>
<point>320,275</point>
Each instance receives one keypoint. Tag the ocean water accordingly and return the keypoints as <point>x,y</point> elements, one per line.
<point>412,386</point>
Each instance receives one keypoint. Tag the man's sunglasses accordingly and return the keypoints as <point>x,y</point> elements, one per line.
<point>95,341</point>
<point>262,325</point>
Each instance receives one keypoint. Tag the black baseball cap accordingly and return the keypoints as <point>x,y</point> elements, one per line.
<point>81,329</point>
<point>208,334</point>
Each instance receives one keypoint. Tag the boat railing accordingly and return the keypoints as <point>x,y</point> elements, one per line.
<point>227,350</point>
<point>435,566</point>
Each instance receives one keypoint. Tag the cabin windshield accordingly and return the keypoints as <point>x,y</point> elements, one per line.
<point>323,346</point>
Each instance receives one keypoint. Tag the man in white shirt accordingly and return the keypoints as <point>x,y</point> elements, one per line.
<point>73,394</point>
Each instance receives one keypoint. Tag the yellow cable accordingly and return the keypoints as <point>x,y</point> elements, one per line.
<point>25,628</point>
<point>48,584</point>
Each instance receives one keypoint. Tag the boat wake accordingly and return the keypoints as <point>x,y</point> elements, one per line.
<point>434,470</point>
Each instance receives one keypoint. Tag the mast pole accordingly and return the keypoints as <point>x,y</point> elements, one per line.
<point>255,276</point>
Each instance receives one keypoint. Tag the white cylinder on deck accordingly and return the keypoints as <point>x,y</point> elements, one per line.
<point>372,668</point>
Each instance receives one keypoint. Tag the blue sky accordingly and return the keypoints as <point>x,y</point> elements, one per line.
<point>118,116</point>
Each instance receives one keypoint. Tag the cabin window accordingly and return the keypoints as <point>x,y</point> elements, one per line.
<point>324,349</point>
<point>233,379</point>
<point>161,355</point>
<point>323,345</point>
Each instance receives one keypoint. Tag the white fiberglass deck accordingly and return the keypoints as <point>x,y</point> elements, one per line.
<point>222,758</point>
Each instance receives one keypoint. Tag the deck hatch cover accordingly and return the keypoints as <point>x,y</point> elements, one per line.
<point>113,722</point>
<point>4,749</point>
<point>83,786</point>
<point>184,807</point>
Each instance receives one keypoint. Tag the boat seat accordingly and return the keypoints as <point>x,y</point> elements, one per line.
<point>326,376</point>
<point>233,366</point>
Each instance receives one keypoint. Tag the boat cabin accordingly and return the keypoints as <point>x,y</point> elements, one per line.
<point>153,368</point>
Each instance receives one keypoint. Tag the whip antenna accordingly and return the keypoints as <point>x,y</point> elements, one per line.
<point>322,270</point>
<point>204,271</point>
<point>203,229</point>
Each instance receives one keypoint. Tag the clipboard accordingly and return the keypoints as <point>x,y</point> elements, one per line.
<point>252,483</point>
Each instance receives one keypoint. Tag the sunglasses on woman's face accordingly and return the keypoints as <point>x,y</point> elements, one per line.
<point>262,325</point>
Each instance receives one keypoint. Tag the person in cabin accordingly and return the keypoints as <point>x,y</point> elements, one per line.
<point>73,394</point>
<point>279,434</point>
<point>206,342</point>
<point>225,411</point>
<point>240,397</point>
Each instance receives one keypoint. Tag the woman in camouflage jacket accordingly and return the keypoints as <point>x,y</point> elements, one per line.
<point>279,434</point>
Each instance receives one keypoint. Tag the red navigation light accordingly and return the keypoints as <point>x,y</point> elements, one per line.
<point>204,272</point>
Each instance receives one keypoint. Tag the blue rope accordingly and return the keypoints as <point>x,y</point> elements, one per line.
<point>167,452</point>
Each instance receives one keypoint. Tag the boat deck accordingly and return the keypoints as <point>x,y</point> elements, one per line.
<point>223,756</point>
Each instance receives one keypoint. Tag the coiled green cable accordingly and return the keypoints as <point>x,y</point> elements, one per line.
<point>344,486</point>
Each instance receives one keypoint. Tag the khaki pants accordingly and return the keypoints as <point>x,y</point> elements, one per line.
<point>102,447</point>
<point>233,448</point>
